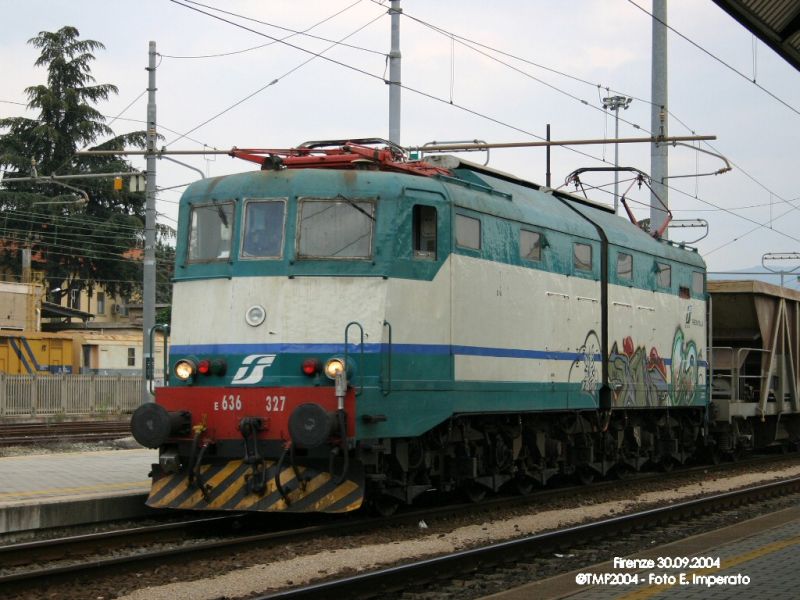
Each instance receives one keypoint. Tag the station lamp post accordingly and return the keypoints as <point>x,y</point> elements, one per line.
<point>615,103</point>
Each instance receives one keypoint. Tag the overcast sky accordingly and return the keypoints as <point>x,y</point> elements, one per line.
<point>605,43</point>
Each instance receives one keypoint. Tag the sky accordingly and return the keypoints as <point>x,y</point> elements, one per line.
<point>498,72</point>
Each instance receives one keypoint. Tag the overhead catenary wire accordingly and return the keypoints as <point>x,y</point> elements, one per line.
<point>470,43</point>
<point>274,81</point>
<point>293,32</point>
<point>718,59</point>
<point>380,78</point>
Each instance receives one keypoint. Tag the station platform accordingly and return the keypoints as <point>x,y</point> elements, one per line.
<point>760,558</point>
<point>61,489</point>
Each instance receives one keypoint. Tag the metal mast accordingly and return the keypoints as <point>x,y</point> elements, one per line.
<point>394,75</point>
<point>149,276</point>
<point>658,124</point>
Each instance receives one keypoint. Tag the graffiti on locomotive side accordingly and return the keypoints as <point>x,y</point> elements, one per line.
<point>685,368</point>
<point>639,378</point>
<point>586,365</point>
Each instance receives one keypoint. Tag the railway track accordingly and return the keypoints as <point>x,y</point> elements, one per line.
<point>379,583</point>
<point>18,434</point>
<point>23,566</point>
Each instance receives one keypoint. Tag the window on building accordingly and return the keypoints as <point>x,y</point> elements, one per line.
<point>210,232</point>
<point>468,232</point>
<point>698,283</point>
<point>101,303</point>
<point>530,245</point>
<point>424,231</point>
<point>663,275</point>
<point>582,257</point>
<point>75,299</point>
<point>263,229</point>
<point>624,266</point>
<point>131,357</point>
<point>336,228</point>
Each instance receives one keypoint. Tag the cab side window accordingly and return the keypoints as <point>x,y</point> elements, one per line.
<point>424,231</point>
<point>663,275</point>
<point>582,257</point>
<point>624,266</point>
<point>530,245</point>
<point>468,232</point>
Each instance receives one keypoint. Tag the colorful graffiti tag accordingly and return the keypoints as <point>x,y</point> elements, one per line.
<point>685,368</point>
<point>587,366</point>
<point>636,377</point>
<point>639,378</point>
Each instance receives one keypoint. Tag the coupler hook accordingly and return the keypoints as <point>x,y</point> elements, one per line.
<point>257,483</point>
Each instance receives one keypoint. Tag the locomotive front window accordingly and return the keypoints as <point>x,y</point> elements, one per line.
<point>210,232</point>
<point>337,228</point>
<point>263,229</point>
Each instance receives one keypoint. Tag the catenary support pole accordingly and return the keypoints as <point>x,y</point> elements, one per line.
<point>149,275</point>
<point>394,75</point>
<point>659,154</point>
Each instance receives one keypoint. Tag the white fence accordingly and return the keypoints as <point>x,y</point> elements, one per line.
<point>40,395</point>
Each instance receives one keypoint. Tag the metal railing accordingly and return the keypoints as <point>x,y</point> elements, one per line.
<point>23,395</point>
<point>740,387</point>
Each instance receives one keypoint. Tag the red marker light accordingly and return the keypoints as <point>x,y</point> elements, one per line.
<point>204,367</point>
<point>310,366</point>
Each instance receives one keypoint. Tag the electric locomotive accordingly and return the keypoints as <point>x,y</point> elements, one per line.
<point>349,326</point>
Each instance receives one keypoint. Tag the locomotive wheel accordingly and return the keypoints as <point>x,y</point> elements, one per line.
<point>384,506</point>
<point>524,485</point>
<point>623,472</point>
<point>474,492</point>
<point>585,475</point>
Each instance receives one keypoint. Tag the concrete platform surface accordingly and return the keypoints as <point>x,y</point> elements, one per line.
<point>55,490</point>
<point>760,556</point>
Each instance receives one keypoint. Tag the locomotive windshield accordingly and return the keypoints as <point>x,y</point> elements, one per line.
<point>337,228</point>
<point>263,229</point>
<point>210,234</point>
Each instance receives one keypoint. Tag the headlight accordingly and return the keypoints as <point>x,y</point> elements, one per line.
<point>185,369</point>
<point>333,367</point>
<point>255,315</point>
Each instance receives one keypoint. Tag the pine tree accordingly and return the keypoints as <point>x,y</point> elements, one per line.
<point>82,244</point>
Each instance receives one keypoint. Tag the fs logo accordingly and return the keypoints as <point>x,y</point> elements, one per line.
<point>252,369</point>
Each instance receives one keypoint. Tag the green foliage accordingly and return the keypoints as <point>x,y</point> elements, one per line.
<point>78,244</point>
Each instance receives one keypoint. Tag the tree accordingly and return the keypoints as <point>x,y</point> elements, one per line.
<point>82,244</point>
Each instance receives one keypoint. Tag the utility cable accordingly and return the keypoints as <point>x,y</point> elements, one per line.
<point>274,81</point>
<point>373,76</point>
<point>294,32</point>
<point>719,60</point>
